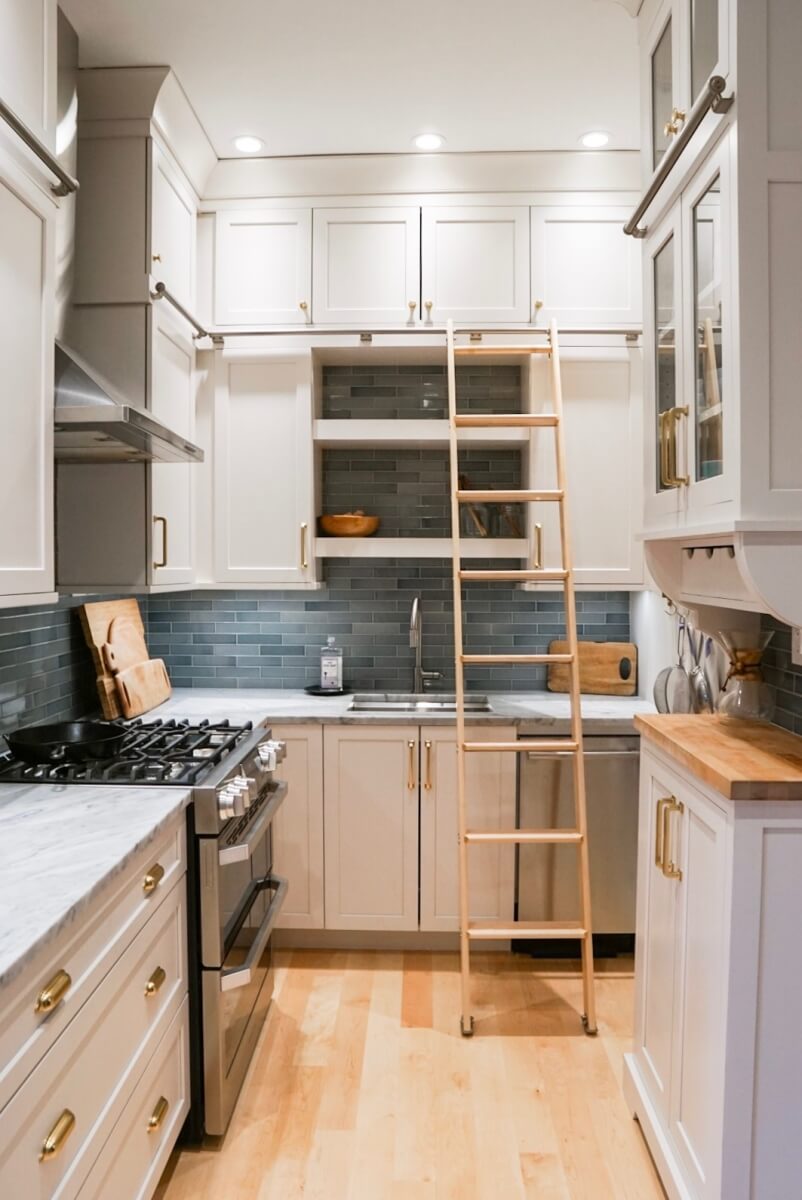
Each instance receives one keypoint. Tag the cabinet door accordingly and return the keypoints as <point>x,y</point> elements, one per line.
<point>366,265</point>
<point>263,267</point>
<point>172,228</point>
<point>298,827</point>
<point>490,797</point>
<point>263,500</point>
<point>27,289</point>
<point>602,406</point>
<point>585,271</point>
<point>28,31</point>
<point>172,400</point>
<point>662,88</point>
<point>371,827</point>
<point>699,843</point>
<point>657,940</point>
<point>475,264</point>
<point>707,44</point>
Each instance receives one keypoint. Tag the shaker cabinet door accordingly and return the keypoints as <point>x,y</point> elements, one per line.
<point>172,401</point>
<point>298,827</point>
<point>366,266</point>
<point>28,48</point>
<point>475,264</point>
<point>263,267</point>
<point>172,229</point>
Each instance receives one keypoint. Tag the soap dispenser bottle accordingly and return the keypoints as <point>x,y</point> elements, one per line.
<point>331,667</point>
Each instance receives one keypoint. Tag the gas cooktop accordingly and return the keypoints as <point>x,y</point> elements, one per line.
<point>161,753</point>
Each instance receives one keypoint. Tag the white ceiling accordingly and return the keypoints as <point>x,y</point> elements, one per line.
<point>364,76</point>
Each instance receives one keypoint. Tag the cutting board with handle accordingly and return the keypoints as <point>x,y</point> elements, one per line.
<point>605,668</point>
<point>115,634</point>
<point>143,686</point>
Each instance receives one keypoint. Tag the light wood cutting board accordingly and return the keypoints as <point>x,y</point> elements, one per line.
<point>143,686</point>
<point>126,645</point>
<point>115,634</point>
<point>605,668</point>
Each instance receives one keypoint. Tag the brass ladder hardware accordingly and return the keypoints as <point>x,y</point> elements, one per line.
<point>159,1113</point>
<point>54,1142</point>
<point>155,982</point>
<point>582,929</point>
<point>53,992</point>
<point>152,879</point>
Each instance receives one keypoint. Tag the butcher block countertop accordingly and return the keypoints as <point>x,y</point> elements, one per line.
<point>743,760</point>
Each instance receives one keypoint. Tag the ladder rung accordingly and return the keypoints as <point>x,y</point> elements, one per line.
<point>502,349</point>
<point>514,576</point>
<point>527,929</point>
<point>553,659</point>
<point>530,745</point>
<point>547,837</point>
<point>505,420</point>
<point>524,495</point>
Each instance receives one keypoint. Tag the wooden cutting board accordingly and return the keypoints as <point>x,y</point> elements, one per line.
<point>605,668</point>
<point>115,634</point>
<point>143,686</point>
<point>126,645</point>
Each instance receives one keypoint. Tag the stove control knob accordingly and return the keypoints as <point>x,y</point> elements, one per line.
<point>246,788</point>
<point>268,756</point>
<point>230,801</point>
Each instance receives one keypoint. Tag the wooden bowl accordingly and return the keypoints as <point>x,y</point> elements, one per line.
<point>349,525</point>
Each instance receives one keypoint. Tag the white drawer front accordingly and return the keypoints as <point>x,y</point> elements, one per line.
<point>135,1154</point>
<point>90,949</point>
<point>93,1067</point>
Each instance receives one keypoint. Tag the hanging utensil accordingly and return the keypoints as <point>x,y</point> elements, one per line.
<point>659,691</point>
<point>678,688</point>
<point>700,689</point>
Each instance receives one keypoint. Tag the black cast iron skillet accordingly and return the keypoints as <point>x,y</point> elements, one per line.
<point>75,741</point>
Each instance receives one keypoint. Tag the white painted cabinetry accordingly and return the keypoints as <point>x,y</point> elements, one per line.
<point>263,267</point>
<point>28,64</point>
<point>366,266</point>
<point>491,788</point>
<point>171,227</point>
<point>263,486</point>
<point>27,294</point>
<point>298,827</point>
<point>475,264</point>
<point>371,827</point>
<point>172,401</point>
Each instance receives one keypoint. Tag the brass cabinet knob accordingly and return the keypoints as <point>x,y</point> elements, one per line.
<point>152,879</point>
<point>158,1114</point>
<point>156,257</point>
<point>156,980</point>
<point>303,306</point>
<point>53,992</point>
<point>413,304</point>
<point>428,305</point>
<point>58,1135</point>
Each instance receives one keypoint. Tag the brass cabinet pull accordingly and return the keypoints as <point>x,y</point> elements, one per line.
<point>662,421</point>
<point>53,992</point>
<point>57,1137</point>
<point>538,561</point>
<point>158,1114</point>
<point>412,781</point>
<point>427,786</point>
<point>670,868</point>
<point>304,560</point>
<point>156,257</point>
<point>153,878</point>
<point>428,304</point>
<point>668,422</point>
<point>163,522</point>
<point>156,980</point>
<point>659,836</point>
<point>413,304</point>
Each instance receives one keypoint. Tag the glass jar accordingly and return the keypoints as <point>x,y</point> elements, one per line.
<point>746,694</point>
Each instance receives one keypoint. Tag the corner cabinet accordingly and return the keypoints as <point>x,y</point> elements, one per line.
<point>264,517</point>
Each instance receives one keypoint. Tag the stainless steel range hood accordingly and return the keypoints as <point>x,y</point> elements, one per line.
<point>95,425</point>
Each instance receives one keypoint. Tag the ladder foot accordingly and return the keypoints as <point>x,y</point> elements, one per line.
<point>466,1029</point>
<point>590,1032</point>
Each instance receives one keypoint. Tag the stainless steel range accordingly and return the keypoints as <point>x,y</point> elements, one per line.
<point>235,897</point>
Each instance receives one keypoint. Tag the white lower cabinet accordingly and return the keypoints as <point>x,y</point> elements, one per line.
<point>491,785</point>
<point>298,827</point>
<point>718,977</point>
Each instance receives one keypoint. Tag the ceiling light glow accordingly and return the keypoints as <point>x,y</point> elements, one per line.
<point>248,144</point>
<point>429,141</point>
<point>595,139</point>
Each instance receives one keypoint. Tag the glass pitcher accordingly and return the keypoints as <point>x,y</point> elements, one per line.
<point>746,693</point>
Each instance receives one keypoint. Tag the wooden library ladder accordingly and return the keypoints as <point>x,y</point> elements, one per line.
<point>470,930</point>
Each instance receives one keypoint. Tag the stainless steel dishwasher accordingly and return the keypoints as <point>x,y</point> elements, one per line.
<point>547,875</point>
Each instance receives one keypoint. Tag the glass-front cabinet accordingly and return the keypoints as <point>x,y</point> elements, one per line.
<point>688,340</point>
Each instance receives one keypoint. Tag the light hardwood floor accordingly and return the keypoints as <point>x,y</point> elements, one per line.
<point>363,1089</point>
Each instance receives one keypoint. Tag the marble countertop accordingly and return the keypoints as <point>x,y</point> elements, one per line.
<point>601,714</point>
<point>59,845</point>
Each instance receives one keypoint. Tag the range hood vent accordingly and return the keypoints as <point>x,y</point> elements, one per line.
<point>95,425</point>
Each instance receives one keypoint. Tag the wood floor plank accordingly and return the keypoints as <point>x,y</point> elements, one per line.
<point>416,1001</point>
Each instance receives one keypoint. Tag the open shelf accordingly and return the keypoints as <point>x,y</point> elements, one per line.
<point>405,433</point>
<point>424,547</point>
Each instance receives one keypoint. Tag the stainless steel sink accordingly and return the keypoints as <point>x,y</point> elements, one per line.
<point>410,702</point>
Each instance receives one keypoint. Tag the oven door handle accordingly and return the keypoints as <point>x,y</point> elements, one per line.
<point>241,851</point>
<point>238,977</point>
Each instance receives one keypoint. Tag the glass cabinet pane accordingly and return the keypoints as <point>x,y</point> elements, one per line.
<point>662,93</point>
<point>704,42</point>
<point>665,341</point>
<point>707,328</point>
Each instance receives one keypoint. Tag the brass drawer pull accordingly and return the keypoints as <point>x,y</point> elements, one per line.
<point>158,1114</point>
<point>304,559</point>
<point>57,1136</point>
<point>156,980</point>
<point>659,833</point>
<point>670,868</point>
<point>412,782</point>
<point>538,562</point>
<point>427,787</point>
<point>153,878</point>
<point>53,992</point>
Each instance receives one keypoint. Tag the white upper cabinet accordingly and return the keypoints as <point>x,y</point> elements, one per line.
<point>366,265</point>
<point>27,290</point>
<point>172,228</point>
<point>263,267</point>
<point>172,401</point>
<point>475,264</point>
<point>28,64</point>
<point>585,271</point>
<point>264,502</point>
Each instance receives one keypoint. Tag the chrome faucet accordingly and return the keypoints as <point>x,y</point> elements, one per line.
<point>420,677</point>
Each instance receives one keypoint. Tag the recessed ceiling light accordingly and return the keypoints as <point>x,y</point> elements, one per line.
<point>595,139</point>
<point>429,141</point>
<point>247,144</point>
